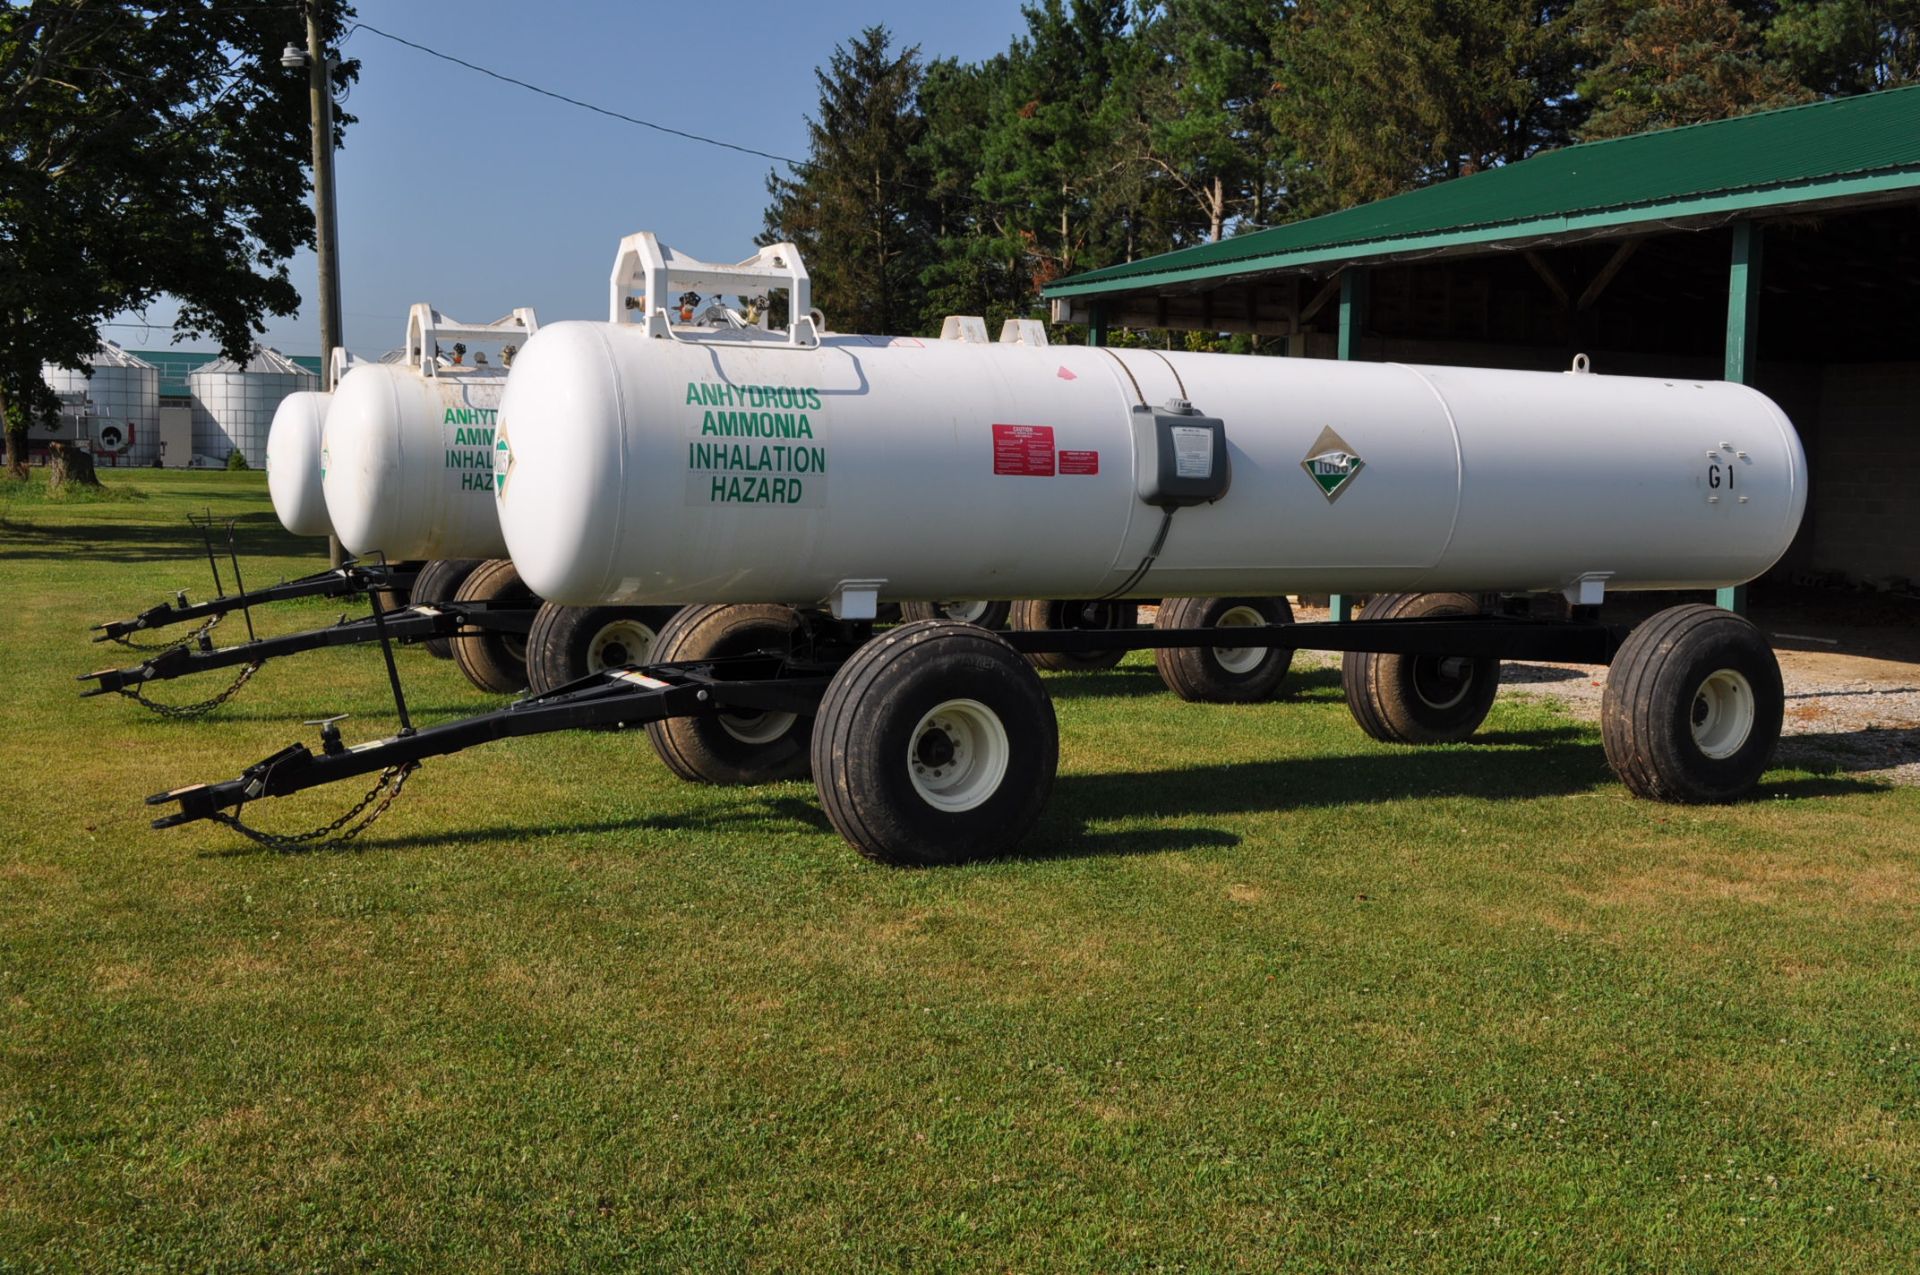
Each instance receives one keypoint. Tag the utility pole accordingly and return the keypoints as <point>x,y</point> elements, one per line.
<point>326,221</point>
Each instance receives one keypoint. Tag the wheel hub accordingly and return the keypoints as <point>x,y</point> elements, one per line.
<point>935,749</point>
<point>1722,713</point>
<point>757,728</point>
<point>619,644</point>
<point>1442,682</point>
<point>968,612</point>
<point>957,755</point>
<point>1240,659</point>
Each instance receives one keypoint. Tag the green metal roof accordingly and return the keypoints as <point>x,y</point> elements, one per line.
<point>1824,150</point>
<point>175,365</point>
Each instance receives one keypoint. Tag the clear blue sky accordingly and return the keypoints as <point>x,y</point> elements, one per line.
<point>479,196</point>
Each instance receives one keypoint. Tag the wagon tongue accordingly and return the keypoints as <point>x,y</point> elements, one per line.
<point>152,617</point>
<point>204,801</point>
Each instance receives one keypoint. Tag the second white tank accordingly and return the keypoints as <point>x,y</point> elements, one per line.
<point>408,455</point>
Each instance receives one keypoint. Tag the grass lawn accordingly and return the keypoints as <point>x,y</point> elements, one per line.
<point>1261,995</point>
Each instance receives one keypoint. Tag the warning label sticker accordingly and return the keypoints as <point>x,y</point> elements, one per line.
<point>1192,452</point>
<point>1072,462</point>
<point>1023,449</point>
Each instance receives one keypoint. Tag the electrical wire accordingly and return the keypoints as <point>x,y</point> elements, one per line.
<point>571,101</point>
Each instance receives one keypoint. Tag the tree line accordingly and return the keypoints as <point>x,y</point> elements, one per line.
<point>1111,130</point>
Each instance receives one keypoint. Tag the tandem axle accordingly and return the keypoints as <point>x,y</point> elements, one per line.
<point>935,742</point>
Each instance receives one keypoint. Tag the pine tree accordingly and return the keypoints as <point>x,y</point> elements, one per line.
<point>858,208</point>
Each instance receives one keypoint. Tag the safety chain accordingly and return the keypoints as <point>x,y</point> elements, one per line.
<point>385,790</point>
<point>138,695</point>
<point>188,640</point>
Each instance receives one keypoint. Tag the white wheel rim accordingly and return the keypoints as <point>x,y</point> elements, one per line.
<point>1240,660</point>
<point>967,612</point>
<point>757,728</point>
<point>957,755</point>
<point>1722,714</point>
<point>618,644</point>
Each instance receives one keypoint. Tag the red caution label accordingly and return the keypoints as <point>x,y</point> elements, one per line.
<point>1079,462</point>
<point>1023,449</point>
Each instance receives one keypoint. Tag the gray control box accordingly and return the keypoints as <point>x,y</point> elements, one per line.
<point>1183,455</point>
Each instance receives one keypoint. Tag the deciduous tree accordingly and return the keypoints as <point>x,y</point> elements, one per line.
<point>146,149</point>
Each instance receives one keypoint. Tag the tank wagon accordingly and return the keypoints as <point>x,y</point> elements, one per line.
<point>294,442</point>
<point>786,481</point>
<point>410,495</point>
<point>293,483</point>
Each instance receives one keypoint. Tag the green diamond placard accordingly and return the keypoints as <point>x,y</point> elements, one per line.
<point>1332,464</point>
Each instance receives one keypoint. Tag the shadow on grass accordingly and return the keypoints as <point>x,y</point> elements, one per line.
<point>747,812</point>
<point>254,535</point>
<point>1555,762</point>
<point>1125,683</point>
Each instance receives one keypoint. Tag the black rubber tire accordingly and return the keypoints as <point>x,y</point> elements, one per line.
<point>988,615</point>
<point>391,600</point>
<point>569,643</point>
<point>721,749</point>
<point>492,660</point>
<point>1044,616</point>
<point>437,582</point>
<point>1197,674</point>
<point>1657,688</point>
<point>864,749</point>
<point>1412,699</point>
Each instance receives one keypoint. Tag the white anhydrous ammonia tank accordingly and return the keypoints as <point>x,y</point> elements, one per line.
<point>293,463</point>
<point>294,444</point>
<point>637,469</point>
<point>408,454</point>
<point>409,462</point>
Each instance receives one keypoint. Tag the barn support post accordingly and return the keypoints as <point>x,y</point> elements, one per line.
<point>1353,309</point>
<point>1353,315</point>
<point>1743,341</point>
<point>1096,323</point>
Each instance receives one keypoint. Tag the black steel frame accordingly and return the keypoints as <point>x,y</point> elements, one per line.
<point>413,624</point>
<point>780,682</point>
<point>351,579</point>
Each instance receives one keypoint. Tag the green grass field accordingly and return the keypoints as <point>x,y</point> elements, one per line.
<point>1261,994</point>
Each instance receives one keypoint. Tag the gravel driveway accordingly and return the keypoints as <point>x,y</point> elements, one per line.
<point>1859,714</point>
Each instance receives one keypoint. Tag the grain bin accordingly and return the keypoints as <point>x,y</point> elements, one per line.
<point>234,403</point>
<point>124,391</point>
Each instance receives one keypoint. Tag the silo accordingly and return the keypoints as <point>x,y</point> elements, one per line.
<point>124,392</point>
<point>233,404</point>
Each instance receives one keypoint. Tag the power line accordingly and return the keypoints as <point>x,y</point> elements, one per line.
<point>573,101</point>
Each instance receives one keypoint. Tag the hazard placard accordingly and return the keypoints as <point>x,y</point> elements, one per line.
<point>1023,450</point>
